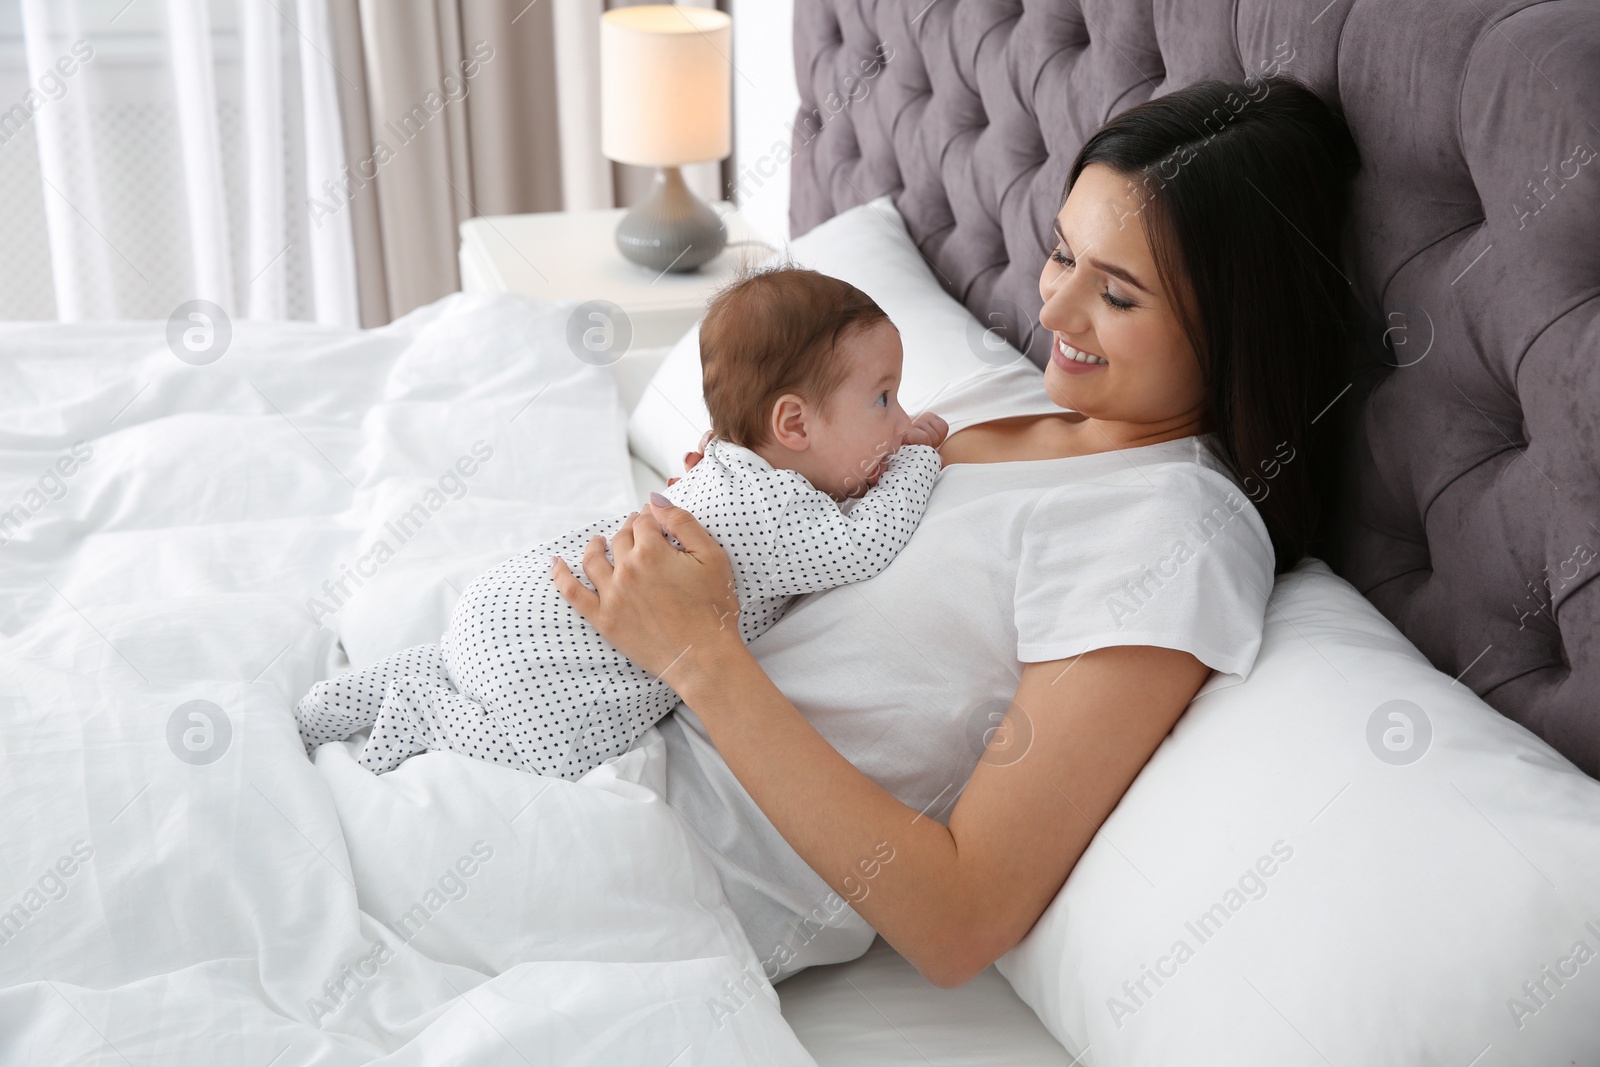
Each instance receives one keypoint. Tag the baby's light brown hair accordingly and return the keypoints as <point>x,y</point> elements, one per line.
<point>775,330</point>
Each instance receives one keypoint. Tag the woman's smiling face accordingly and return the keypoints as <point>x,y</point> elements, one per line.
<point>1104,302</point>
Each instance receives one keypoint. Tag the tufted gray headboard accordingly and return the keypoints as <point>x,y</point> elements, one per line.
<point>1472,514</point>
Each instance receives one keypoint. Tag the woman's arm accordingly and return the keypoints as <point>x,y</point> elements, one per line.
<point>951,899</point>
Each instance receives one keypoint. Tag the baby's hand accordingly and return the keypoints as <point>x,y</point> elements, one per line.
<point>691,458</point>
<point>927,429</point>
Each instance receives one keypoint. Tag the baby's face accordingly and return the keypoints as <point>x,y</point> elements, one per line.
<point>862,423</point>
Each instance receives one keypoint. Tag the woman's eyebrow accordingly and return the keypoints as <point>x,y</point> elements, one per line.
<point>1110,268</point>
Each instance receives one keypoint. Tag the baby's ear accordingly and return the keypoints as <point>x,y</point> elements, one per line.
<point>790,422</point>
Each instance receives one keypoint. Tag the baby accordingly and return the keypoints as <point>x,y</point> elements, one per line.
<point>813,477</point>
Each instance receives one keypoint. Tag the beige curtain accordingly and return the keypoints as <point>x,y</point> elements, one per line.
<point>456,108</point>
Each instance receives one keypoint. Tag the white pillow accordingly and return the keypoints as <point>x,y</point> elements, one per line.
<point>1363,910</point>
<point>867,246</point>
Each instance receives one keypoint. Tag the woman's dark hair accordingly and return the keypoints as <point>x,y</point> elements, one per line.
<point>1244,190</point>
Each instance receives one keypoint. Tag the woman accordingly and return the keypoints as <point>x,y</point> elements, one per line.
<point>1077,577</point>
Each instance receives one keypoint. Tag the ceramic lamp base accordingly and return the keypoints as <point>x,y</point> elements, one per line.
<point>671,229</point>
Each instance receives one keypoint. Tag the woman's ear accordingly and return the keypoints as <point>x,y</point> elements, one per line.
<point>790,422</point>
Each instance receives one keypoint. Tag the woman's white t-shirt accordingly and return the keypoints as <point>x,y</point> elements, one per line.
<point>906,674</point>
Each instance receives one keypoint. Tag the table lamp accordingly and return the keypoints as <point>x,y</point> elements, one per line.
<point>665,88</point>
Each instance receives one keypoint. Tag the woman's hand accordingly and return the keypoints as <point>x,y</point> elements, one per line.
<point>663,607</point>
<point>691,458</point>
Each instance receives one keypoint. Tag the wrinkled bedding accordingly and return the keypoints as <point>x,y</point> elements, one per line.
<point>185,547</point>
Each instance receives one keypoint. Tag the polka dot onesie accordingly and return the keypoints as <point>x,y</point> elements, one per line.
<point>520,678</point>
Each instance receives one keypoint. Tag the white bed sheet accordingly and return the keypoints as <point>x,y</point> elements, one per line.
<point>877,1011</point>
<point>178,883</point>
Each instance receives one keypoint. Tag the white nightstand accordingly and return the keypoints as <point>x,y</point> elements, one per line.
<point>572,255</point>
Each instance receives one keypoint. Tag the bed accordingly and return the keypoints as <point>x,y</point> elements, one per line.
<point>191,539</point>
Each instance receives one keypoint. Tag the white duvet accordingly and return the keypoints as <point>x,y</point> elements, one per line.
<point>182,550</point>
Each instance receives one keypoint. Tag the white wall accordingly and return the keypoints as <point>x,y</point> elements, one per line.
<point>765,99</point>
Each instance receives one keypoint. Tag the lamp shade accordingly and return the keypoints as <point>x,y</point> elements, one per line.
<point>666,85</point>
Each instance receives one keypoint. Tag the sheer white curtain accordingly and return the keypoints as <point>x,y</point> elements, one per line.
<point>172,146</point>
